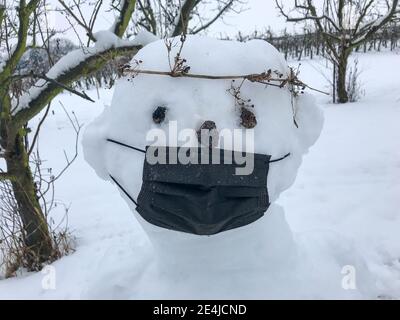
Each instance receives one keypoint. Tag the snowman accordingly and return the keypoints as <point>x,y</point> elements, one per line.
<point>214,225</point>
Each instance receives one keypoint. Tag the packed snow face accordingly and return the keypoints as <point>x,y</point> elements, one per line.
<point>191,102</point>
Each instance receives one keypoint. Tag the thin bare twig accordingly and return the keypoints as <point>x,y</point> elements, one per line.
<point>263,78</point>
<point>82,22</point>
<point>38,129</point>
<point>77,128</point>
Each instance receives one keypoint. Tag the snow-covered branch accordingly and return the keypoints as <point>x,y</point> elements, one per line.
<point>78,63</point>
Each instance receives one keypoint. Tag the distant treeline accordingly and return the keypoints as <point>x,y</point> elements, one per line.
<point>310,44</point>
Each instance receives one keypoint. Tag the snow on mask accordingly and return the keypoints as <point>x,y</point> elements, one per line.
<point>278,123</point>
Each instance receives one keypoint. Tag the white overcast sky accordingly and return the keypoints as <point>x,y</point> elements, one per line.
<point>259,14</point>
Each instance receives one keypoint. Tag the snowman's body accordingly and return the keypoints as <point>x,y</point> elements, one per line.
<point>264,247</point>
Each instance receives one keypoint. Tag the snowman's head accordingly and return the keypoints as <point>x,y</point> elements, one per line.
<point>241,115</point>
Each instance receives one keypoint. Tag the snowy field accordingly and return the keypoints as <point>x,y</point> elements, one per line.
<point>345,202</point>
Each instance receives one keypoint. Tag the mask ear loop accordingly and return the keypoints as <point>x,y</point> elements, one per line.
<point>281,158</point>
<point>115,180</point>
<point>125,145</point>
<point>123,190</point>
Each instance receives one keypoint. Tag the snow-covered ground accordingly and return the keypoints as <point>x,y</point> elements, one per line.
<point>345,199</point>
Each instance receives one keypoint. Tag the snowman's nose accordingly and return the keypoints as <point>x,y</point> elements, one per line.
<point>208,125</point>
<point>208,134</point>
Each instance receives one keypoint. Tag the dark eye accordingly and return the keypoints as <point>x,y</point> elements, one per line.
<point>159,114</point>
<point>247,117</point>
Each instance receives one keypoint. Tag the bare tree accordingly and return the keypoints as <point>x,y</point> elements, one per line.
<point>173,17</point>
<point>344,25</point>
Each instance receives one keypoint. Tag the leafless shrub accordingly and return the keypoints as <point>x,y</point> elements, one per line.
<point>15,255</point>
<point>354,87</point>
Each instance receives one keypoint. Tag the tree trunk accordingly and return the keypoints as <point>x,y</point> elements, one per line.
<point>37,236</point>
<point>342,96</point>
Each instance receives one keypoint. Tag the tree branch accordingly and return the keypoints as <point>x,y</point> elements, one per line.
<point>79,21</point>
<point>47,79</point>
<point>149,17</point>
<point>35,137</point>
<point>184,17</point>
<point>340,13</point>
<point>363,13</point>
<point>32,5</point>
<point>6,176</point>
<point>122,22</point>
<point>311,14</point>
<point>24,11</point>
<point>220,13</point>
<point>366,33</point>
<point>2,10</point>
<point>307,9</point>
<point>65,87</point>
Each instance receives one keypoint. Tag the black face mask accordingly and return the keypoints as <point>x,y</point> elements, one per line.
<point>202,199</point>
